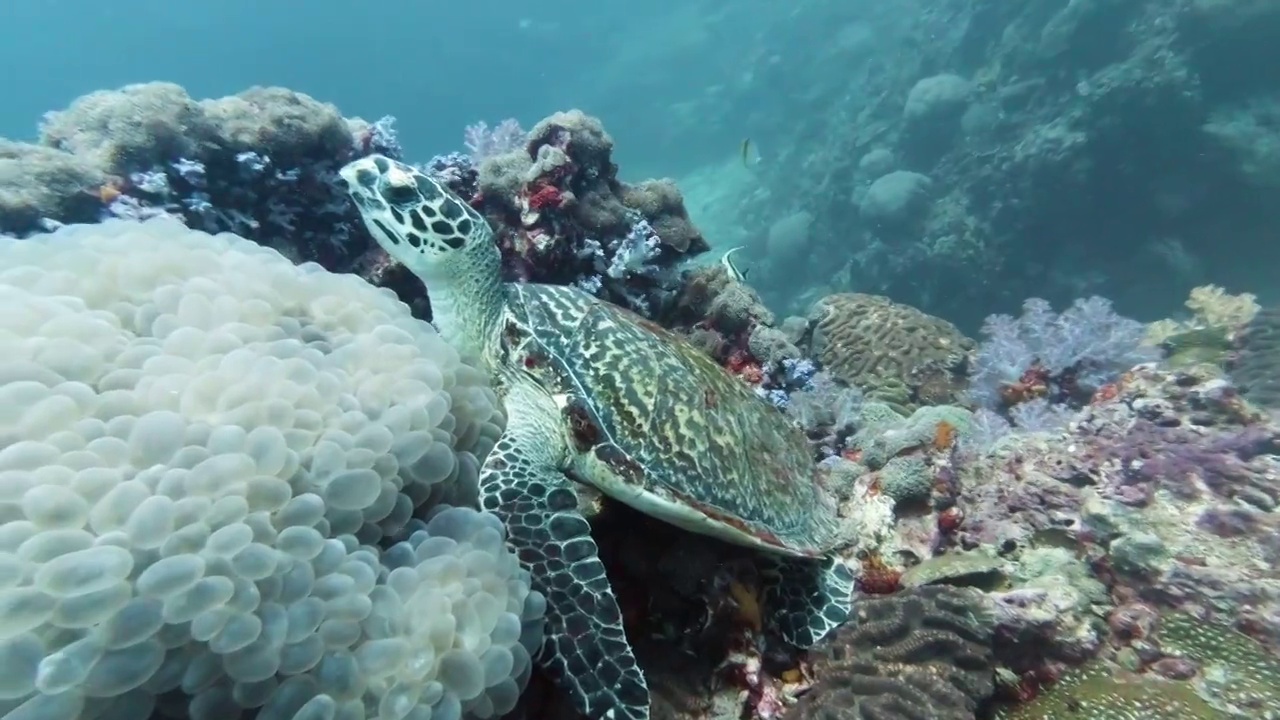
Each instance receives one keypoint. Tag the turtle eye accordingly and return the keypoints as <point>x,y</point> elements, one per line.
<point>401,194</point>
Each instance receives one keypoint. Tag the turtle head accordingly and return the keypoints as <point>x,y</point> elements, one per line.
<point>416,219</point>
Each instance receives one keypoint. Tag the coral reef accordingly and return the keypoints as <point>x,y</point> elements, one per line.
<point>261,164</point>
<point>719,313</point>
<point>1256,361</point>
<point>1208,336</point>
<point>1110,513</point>
<point>1163,494</point>
<point>1103,692</point>
<point>1125,149</point>
<point>562,216</point>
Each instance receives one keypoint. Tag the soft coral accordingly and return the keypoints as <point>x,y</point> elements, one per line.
<point>1069,354</point>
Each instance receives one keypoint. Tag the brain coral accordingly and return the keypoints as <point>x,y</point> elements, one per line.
<point>894,353</point>
<point>204,454</point>
<point>922,654</point>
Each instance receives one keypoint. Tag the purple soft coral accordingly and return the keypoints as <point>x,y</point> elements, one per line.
<point>1088,340</point>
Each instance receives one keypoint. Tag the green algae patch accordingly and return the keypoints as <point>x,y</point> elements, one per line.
<point>1101,691</point>
<point>1237,678</point>
<point>1237,674</point>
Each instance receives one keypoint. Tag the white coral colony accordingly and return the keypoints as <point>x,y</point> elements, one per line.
<point>207,456</point>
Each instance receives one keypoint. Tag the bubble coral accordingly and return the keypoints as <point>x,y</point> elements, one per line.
<point>204,450</point>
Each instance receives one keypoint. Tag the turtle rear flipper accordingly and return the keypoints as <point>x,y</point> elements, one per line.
<point>585,650</point>
<point>807,599</point>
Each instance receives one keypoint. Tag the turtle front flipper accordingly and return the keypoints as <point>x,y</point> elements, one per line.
<point>585,650</point>
<point>807,599</point>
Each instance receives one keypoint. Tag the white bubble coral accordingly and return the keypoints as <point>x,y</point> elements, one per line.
<point>203,449</point>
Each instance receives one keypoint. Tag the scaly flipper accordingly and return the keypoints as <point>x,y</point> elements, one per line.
<point>585,651</point>
<point>807,599</point>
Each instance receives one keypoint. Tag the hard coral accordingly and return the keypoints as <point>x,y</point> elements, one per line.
<point>290,127</point>
<point>1166,492</point>
<point>563,217</point>
<point>661,203</point>
<point>134,128</point>
<point>41,187</point>
<point>709,297</point>
<point>1256,363</point>
<point>923,654</point>
<point>261,164</point>
<point>1102,692</point>
<point>1236,674</point>
<point>218,503</point>
<point>893,352</point>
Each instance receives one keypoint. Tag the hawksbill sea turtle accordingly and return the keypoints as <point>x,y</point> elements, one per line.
<point>598,395</point>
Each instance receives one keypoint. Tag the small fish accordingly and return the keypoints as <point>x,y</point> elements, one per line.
<point>746,154</point>
<point>732,268</point>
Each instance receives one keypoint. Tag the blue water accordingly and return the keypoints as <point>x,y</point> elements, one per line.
<point>437,66</point>
<point>814,84</point>
<point>655,72</point>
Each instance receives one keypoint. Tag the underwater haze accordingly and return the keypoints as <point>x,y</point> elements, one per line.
<point>436,66</point>
<point>808,360</point>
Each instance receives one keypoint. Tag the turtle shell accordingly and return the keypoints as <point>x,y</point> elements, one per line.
<point>657,423</point>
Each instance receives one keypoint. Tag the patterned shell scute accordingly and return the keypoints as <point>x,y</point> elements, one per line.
<point>701,435</point>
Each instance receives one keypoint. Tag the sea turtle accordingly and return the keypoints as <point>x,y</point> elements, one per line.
<point>596,394</point>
